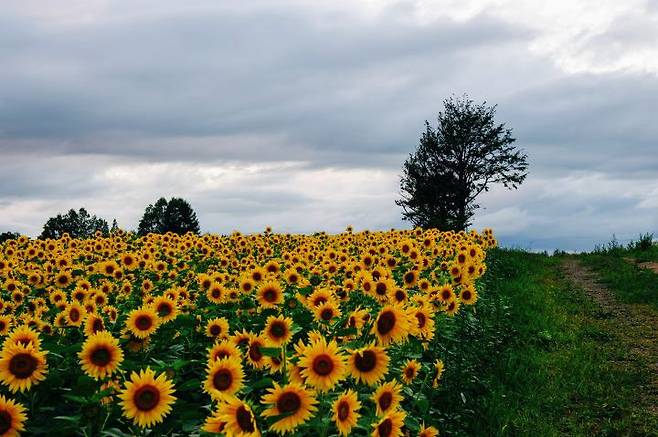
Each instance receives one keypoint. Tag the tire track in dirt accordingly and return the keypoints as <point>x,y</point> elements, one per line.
<point>636,326</point>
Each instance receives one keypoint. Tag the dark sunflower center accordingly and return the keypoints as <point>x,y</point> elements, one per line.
<point>216,293</point>
<point>400,296</point>
<point>245,419</point>
<point>269,295</point>
<point>5,422</point>
<point>288,402</point>
<point>278,329</point>
<point>343,411</point>
<point>327,314</point>
<point>143,323</point>
<point>323,365</point>
<point>222,379</point>
<point>62,279</point>
<point>215,330</point>
<point>2,325</point>
<point>101,357</point>
<point>380,289</point>
<point>385,428</point>
<point>74,315</point>
<point>97,325</point>
<point>22,365</point>
<point>146,398</point>
<point>466,295</point>
<point>365,361</point>
<point>410,372</point>
<point>409,278</point>
<point>164,309</point>
<point>421,320</point>
<point>445,294</point>
<point>254,352</point>
<point>386,322</point>
<point>385,400</point>
<point>319,301</point>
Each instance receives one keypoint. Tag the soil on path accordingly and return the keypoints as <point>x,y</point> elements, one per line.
<point>635,326</point>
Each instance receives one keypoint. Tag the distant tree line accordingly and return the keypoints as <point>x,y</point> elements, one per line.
<point>175,215</point>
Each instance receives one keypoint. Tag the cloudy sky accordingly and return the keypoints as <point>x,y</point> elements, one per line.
<point>299,114</point>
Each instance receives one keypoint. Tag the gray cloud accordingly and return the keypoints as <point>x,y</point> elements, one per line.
<point>299,115</point>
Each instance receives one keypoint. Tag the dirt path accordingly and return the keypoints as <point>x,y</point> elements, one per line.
<point>634,326</point>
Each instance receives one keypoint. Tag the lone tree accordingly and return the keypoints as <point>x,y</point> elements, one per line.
<point>78,224</point>
<point>176,216</point>
<point>455,162</point>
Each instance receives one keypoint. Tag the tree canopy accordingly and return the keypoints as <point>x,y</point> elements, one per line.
<point>4,236</point>
<point>455,162</point>
<point>175,215</point>
<point>78,224</point>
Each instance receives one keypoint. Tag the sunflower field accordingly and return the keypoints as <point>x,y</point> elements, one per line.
<point>236,335</point>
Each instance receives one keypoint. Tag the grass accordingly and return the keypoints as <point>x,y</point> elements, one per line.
<point>629,282</point>
<point>548,363</point>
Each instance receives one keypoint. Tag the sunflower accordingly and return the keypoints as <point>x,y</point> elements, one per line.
<point>269,294</point>
<point>358,318</point>
<point>166,308</point>
<point>387,397</point>
<point>23,335</point>
<point>75,314</point>
<point>223,349</point>
<point>293,401</point>
<point>392,325</point>
<point>326,311</point>
<point>390,425</point>
<point>452,308</point>
<point>12,417</point>
<point>422,323</point>
<point>446,294</point>
<point>217,328</point>
<point>278,330</point>
<point>438,371</point>
<point>323,364</point>
<point>143,322</point>
<point>410,278</point>
<point>382,289</point>
<point>319,296</point>
<point>214,424</point>
<point>369,364</point>
<point>101,355</point>
<point>21,366</point>
<point>254,354</point>
<point>224,378</point>
<point>5,324</point>
<point>147,399</point>
<point>345,410</point>
<point>216,293</point>
<point>428,431</point>
<point>468,295</point>
<point>63,279</point>
<point>410,371</point>
<point>238,418</point>
<point>93,324</point>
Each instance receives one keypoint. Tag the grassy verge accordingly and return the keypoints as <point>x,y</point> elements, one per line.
<point>629,282</point>
<point>545,361</point>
